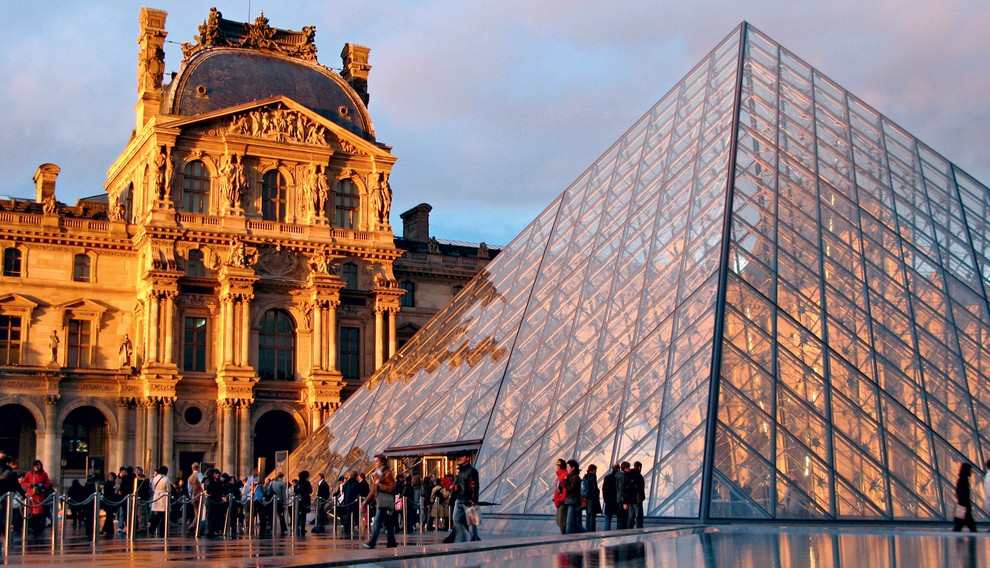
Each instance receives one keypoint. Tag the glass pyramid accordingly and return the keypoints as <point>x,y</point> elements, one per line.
<point>765,291</point>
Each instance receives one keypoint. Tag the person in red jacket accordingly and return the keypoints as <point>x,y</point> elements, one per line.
<point>558,496</point>
<point>38,486</point>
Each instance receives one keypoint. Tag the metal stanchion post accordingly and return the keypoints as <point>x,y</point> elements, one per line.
<point>226,518</point>
<point>168,514</point>
<point>61,522</point>
<point>199,512</point>
<point>274,513</point>
<point>132,517</point>
<point>250,521</point>
<point>96,515</point>
<point>334,519</point>
<point>292,516</point>
<point>8,523</point>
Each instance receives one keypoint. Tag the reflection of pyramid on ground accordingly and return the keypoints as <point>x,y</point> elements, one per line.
<point>841,307</point>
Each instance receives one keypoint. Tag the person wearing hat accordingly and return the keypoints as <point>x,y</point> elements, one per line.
<point>559,494</point>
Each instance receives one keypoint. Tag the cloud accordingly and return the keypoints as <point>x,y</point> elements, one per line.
<point>493,108</point>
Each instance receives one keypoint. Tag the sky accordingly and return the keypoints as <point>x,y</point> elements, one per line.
<point>492,108</point>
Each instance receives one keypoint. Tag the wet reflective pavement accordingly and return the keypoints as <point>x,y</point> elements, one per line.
<point>522,544</point>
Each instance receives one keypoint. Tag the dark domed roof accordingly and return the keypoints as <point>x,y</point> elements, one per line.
<point>223,77</point>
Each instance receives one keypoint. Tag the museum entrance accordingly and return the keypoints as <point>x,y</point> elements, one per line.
<point>275,431</point>
<point>18,434</point>
<point>84,438</point>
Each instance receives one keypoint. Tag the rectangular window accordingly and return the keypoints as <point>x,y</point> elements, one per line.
<point>80,268</point>
<point>350,353</point>
<point>11,262</point>
<point>10,340</point>
<point>80,344</point>
<point>194,344</point>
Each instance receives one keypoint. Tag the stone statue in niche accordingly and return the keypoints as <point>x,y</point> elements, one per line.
<point>232,181</point>
<point>125,350</point>
<point>53,342</point>
<point>381,200</point>
<point>163,174</point>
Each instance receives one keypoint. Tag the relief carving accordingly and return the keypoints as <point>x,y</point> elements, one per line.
<point>279,124</point>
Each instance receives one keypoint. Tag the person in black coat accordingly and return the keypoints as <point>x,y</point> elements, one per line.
<point>963,516</point>
<point>348,507</point>
<point>610,495</point>
<point>304,493</point>
<point>110,495</point>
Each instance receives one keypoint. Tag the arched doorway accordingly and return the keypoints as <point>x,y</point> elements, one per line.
<point>84,443</point>
<point>18,434</point>
<point>275,431</point>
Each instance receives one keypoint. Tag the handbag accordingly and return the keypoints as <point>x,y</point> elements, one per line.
<point>398,502</point>
<point>473,515</point>
<point>960,511</point>
<point>385,500</point>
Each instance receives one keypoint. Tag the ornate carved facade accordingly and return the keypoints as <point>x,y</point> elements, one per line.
<point>236,280</point>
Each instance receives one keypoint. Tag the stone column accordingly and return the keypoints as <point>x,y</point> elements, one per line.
<point>245,329</point>
<point>379,355</point>
<point>229,439</point>
<point>153,326</point>
<point>317,342</point>
<point>169,354</point>
<point>332,337</point>
<point>152,436</point>
<point>120,445</point>
<point>140,432</point>
<point>391,333</point>
<point>244,439</point>
<point>228,330</point>
<point>168,427</point>
<point>52,456</point>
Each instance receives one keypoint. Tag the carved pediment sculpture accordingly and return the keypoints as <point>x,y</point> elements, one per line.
<point>281,125</point>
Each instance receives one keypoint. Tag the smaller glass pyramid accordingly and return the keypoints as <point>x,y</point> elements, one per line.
<point>765,291</point>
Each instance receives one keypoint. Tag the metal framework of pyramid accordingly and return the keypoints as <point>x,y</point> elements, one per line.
<point>767,292</point>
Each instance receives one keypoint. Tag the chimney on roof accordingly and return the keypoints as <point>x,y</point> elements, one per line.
<point>355,72</point>
<point>416,223</point>
<point>44,181</point>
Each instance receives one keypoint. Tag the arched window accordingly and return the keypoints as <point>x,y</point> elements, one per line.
<point>345,205</point>
<point>80,268</point>
<point>11,262</point>
<point>195,267</point>
<point>273,196</point>
<point>196,188</point>
<point>408,300</point>
<point>348,273</point>
<point>277,346</point>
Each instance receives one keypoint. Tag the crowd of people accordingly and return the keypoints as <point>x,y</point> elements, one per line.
<point>212,503</point>
<point>579,501</point>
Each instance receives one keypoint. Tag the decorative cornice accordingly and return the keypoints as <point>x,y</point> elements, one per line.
<point>259,36</point>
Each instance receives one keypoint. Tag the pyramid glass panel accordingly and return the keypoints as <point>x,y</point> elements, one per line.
<point>765,291</point>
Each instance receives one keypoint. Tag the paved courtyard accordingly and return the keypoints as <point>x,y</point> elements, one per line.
<point>531,543</point>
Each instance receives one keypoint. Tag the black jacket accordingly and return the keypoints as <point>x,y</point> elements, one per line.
<point>466,484</point>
